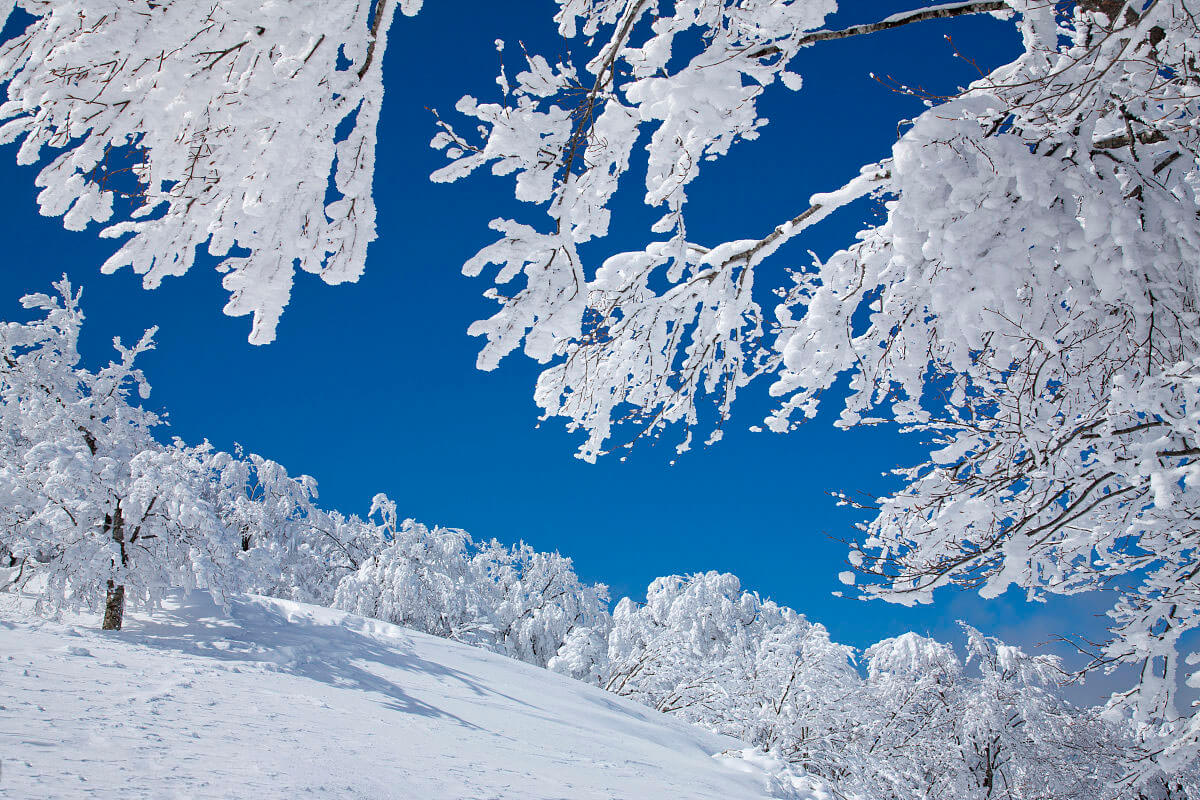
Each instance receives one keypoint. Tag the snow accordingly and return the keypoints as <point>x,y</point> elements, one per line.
<point>905,14</point>
<point>274,699</point>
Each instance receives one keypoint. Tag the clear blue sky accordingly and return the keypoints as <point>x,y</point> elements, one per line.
<point>371,387</point>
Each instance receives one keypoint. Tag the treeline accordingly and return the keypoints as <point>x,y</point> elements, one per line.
<point>96,512</point>
<point>906,718</point>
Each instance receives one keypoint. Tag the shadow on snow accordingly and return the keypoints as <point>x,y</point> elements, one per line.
<point>263,632</point>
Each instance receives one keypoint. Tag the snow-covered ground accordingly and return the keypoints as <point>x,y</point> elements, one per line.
<point>271,699</point>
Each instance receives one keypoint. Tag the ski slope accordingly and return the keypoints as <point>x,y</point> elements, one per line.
<point>271,699</point>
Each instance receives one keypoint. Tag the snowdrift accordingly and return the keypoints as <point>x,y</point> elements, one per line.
<point>271,699</point>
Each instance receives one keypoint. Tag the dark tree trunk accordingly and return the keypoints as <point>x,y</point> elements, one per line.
<point>114,608</point>
<point>114,600</point>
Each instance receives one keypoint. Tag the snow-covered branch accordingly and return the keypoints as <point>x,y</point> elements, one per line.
<point>944,11</point>
<point>178,125</point>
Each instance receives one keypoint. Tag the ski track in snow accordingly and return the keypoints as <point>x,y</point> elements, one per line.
<point>272,699</point>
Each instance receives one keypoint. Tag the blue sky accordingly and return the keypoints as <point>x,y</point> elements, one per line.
<point>371,386</point>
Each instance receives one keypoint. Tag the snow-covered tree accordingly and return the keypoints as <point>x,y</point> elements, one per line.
<point>95,510</point>
<point>917,723</point>
<point>930,725</point>
<point>244,126</point>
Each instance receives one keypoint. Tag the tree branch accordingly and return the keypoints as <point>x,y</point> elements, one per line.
<point>894,21</point>
<point>1117,141</point>
<point>864,184</point>
<point>375,23</point>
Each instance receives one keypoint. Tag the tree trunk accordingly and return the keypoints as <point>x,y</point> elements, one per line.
<point>114,608</point>
<point>114,600</point>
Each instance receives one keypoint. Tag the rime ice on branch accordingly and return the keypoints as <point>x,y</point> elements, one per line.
<point>244,126</point>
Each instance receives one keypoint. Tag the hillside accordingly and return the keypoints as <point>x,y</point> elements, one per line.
<point>271,699</point>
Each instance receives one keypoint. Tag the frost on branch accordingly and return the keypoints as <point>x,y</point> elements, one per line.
<point>618,345</point>
<point>1029,303</point>
<point>246,127</point>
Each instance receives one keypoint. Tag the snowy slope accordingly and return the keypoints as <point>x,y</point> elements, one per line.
<point>272,699</point>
